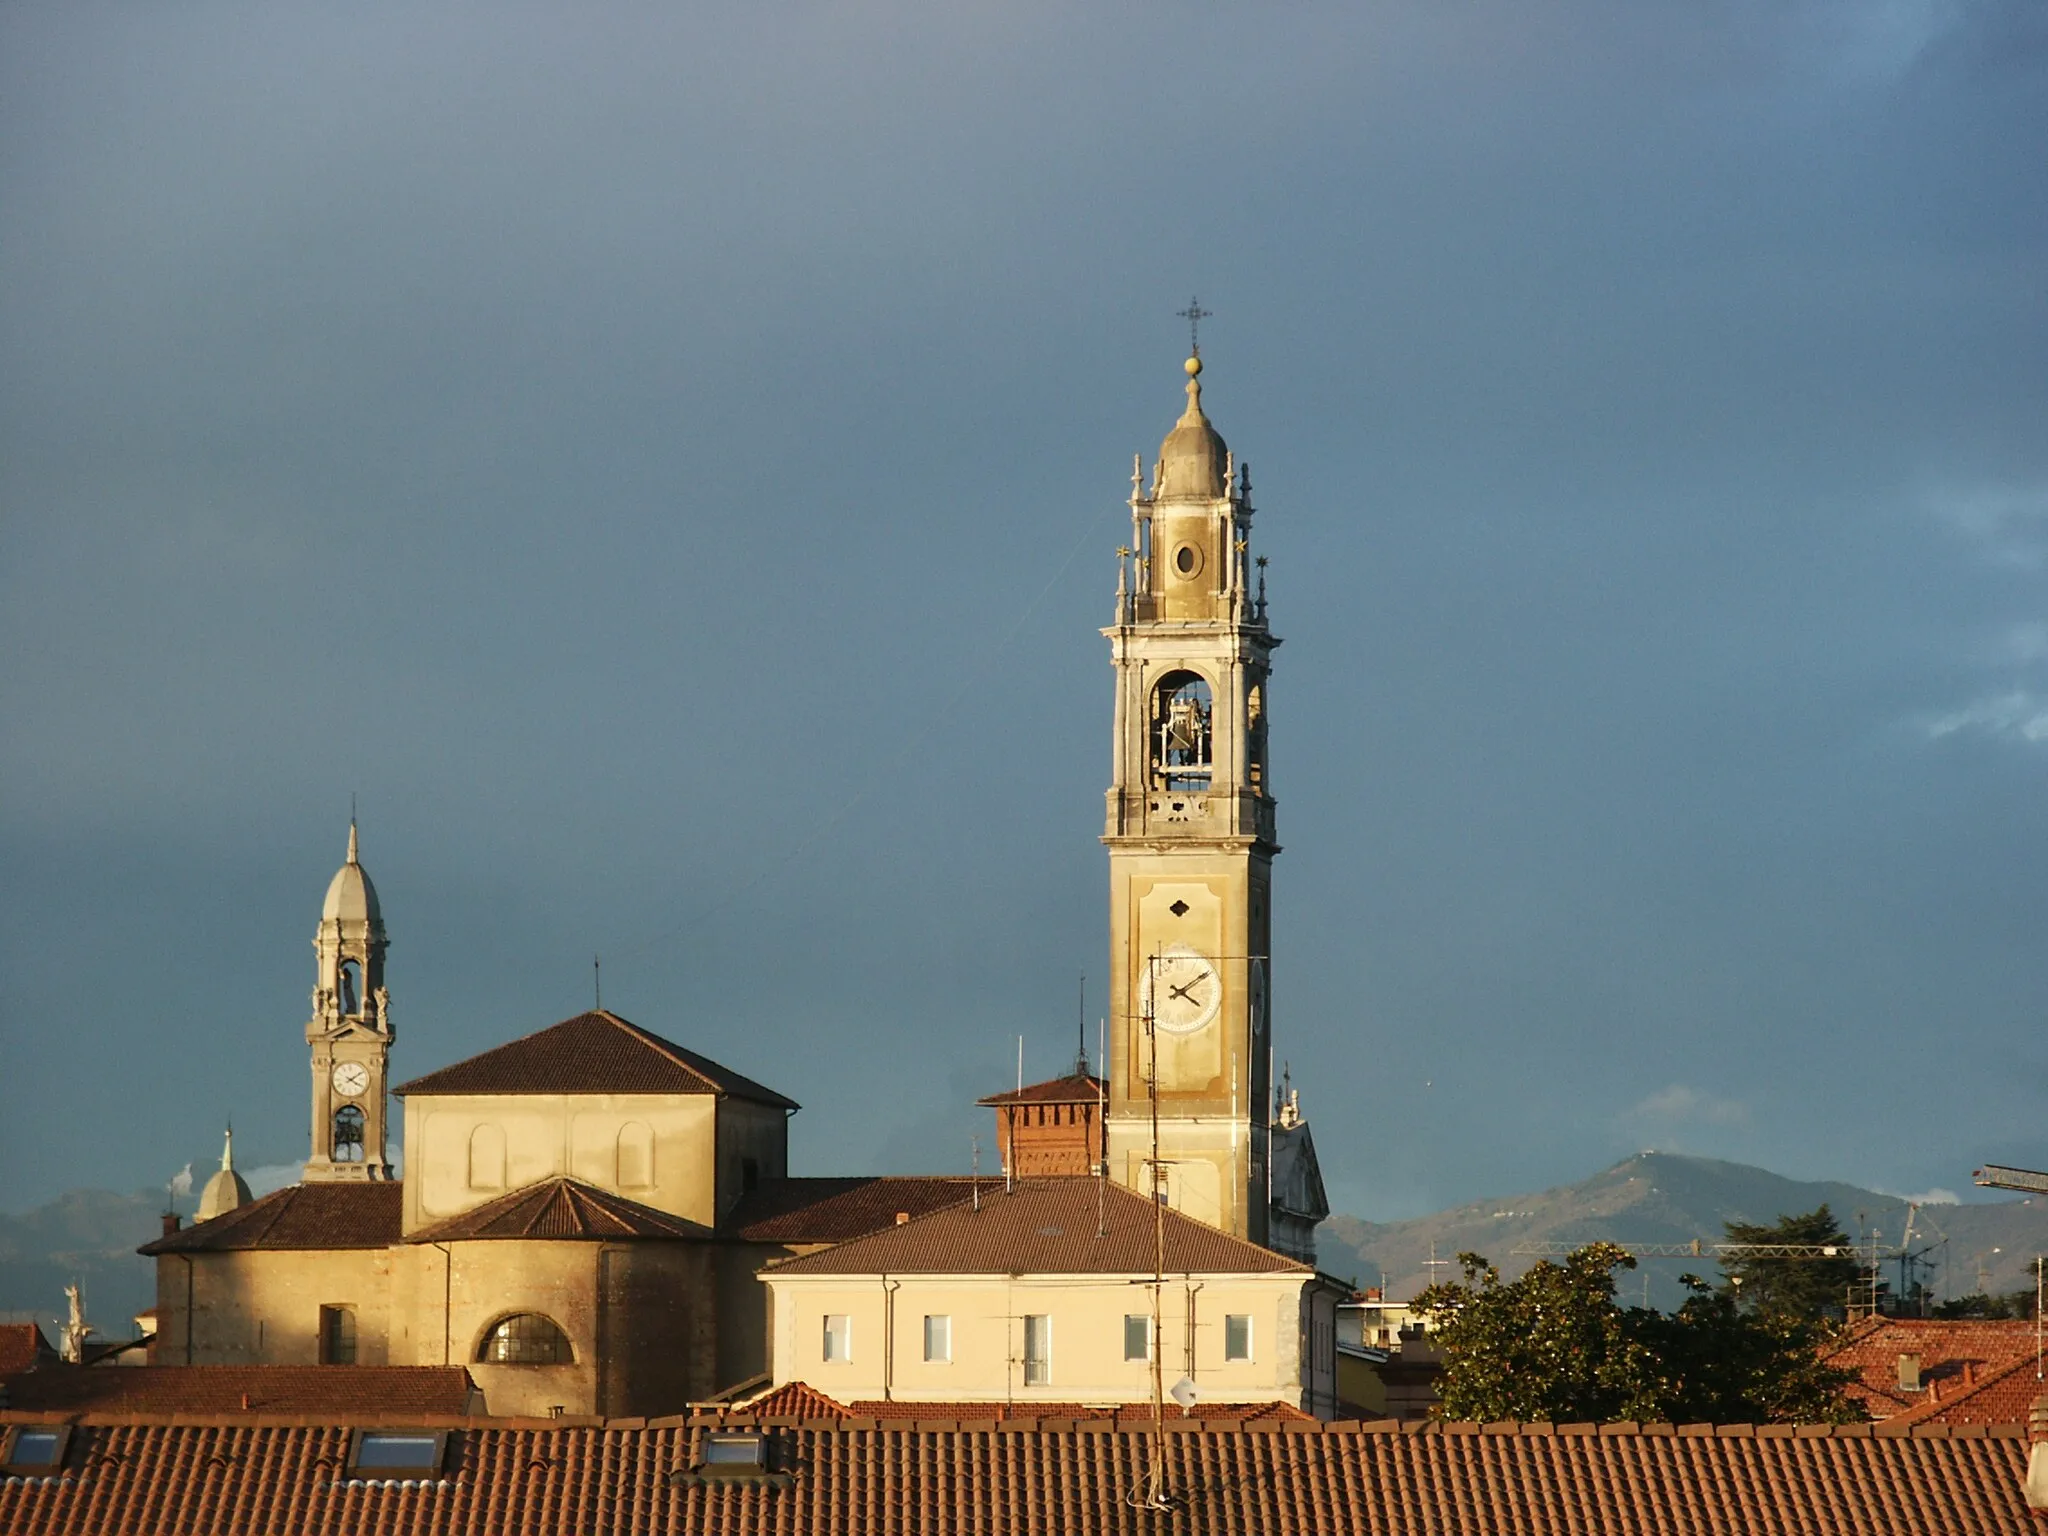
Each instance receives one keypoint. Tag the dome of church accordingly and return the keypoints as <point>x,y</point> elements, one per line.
<point>1192,459</point>
<point>225,1191</point>
<point>350,896</point>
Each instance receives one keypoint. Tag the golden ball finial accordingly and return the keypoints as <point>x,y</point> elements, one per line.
<point>1193,366</point>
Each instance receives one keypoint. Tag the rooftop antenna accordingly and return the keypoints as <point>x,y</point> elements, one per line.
<point>975,1141</point>
<point>1194,314</point>
<point>1081,1028</point>
<point>1155,1471</point>
<point>597,981</point>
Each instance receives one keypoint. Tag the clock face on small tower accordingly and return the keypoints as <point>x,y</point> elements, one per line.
<point>350,1078</point>
<point>1182,991</point>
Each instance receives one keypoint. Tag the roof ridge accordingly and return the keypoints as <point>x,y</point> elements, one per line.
<point>655,1042</point>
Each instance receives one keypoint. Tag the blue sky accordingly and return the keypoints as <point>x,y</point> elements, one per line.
<point>666,463</point>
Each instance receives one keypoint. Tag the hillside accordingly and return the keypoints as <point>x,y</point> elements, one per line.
<point>1661,1197</point>
<point>85,1235</point>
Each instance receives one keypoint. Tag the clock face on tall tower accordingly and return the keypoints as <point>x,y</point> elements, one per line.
<point>1182,991</point>
<point>350,1078</point>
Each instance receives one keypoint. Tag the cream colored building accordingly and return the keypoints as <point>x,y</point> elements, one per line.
<point>1047,1294</point>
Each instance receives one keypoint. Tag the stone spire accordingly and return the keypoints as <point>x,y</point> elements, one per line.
<point>1192,459</point>
<point>226,1190</point>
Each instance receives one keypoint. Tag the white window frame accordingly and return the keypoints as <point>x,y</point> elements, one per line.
<point>1250,1338</point>
<point>1044,1360</point>
<point>945,1353</point>
<point>1137,1317</point>
<point>845,1332</point>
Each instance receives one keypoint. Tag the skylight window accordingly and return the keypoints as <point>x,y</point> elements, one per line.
<point>396,1453</point>
<point>34,1448</point>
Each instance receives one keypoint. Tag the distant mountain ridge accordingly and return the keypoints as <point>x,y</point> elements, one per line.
<point>1664,1197</point>
<point>88,1236</point>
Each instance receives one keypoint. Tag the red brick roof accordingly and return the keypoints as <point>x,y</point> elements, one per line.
<point>1043,1227</point>
<point>300,1216</point>
<point>561,1208</point>
<point>801,1400</point>
<point>240,1389</point>
<point>1074,1088</point>
<point>799,1211</point>
<point>1950,1351</point>
<point>280,1475</point>
<point>2001,1395</point>
<point>23,1348</point>
<point>592,1053</point>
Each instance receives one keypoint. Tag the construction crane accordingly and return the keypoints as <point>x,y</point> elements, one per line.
<point>1992,1176</point>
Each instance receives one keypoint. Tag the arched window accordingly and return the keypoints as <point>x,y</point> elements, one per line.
<point>348,1134</point>
<point>635,1156</point>
<point>487,1158</point>
<point>351,985</point>
<point>525,1338</point>
<point>1181,753</point>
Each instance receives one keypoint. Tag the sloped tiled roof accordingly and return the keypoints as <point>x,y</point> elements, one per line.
<point>1126,1414</point>
<point>1043,1227</point>
<point>592,1053</point>
<point>796,1400</point>
<point>561,1208</point>
<point>1950,1349</point>
<point>1074,1088</point>
<point>2001,1395</point>
<point>834,1210</point>
<point>299,1216</point>
<point>23,1348</point>
<point>937,1478</point>
<point>251,1389</point>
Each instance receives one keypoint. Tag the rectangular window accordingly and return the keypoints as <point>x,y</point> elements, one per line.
<point>1037,1350</point>
<point>1237,1337</point>
<point>337,1335</point>
<point>1137,1336</point>
<point>838,1336</point>
<point>938,1338</point>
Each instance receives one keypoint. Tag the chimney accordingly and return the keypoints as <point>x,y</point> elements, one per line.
<point>1909,1373</point>
<point>170,1222</point>
<point>902,1217</point>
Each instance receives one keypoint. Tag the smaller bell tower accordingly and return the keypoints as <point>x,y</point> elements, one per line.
<point>350,1032</point>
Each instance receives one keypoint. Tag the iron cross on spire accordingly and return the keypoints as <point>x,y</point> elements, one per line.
<point>1194,314</point>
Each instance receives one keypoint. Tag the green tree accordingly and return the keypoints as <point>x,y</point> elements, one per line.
<point>1555,1346</point>
<point>1810,1288</point>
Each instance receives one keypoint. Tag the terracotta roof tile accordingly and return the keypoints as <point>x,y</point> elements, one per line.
<point>1950,1349</point>
<point>833,1210</point>
<point>592,1053</point>
<point>1124,1413</point>
<point>1041,1227</point>
<point>529,1477</point>
<point>1075,1088</point>
<point>300,1216</point>
<point>795,1400</point>
<point>561,1208</point>
<point>23,1348</point>
<point>250,1389</point>
<point>2002,1395</point>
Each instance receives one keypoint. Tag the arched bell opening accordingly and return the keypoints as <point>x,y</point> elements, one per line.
<point>1182,737</point>
<point>348,1134</point>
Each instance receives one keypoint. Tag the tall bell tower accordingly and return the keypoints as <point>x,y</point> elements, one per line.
<point>1191,837</point>
<point>350,1032</point>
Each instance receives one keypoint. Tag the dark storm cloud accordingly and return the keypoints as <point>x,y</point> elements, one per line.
<point>645,453</point>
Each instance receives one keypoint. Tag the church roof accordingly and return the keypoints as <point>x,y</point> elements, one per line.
<point>835,1210</point>
<point>595,1052</point>
<point>366,1215</point>
<point>1074,1088</point>
<point>561,1208</point>
<point>1043,1227</point>
<point>247,1389</point>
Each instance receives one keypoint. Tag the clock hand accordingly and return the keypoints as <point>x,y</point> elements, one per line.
<point>1182,992</point>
